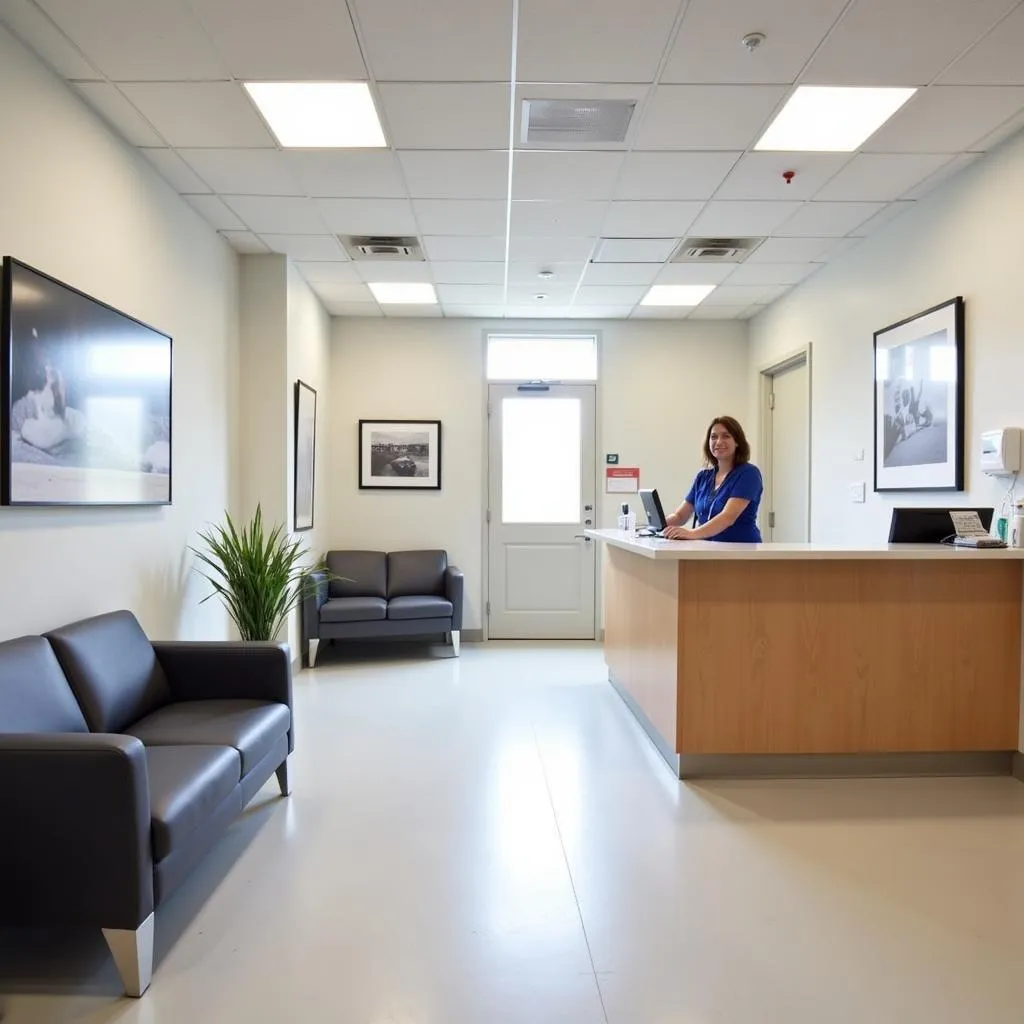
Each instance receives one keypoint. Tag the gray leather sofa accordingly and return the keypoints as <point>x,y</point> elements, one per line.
<point>122,762</point>
<point>374,595</point>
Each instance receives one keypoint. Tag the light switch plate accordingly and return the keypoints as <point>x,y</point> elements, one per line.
<point>857,491</point>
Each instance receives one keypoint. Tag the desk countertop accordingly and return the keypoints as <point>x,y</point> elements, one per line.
<point>679,550</point>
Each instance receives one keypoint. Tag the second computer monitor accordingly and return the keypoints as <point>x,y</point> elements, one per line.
<point>929,525</point>
<point>652,506</point>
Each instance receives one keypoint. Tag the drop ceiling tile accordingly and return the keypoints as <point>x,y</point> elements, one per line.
<point>751,311</point>
<point>737,295</point>
<point>554,295</point>
<point>455,41</point>
<point>736,217</point>
<point>881,177</point>
<point>461,248</point>
<point>947,171</point>
<point>634,250</point>
<point>119,113</point>
<point>330,292</point>
<point>473,312</point>
<point>695,273</point>
<point>760,175</point>
<point>303,40</point>
<point>215,213</point>
<point>842,245</point>
<point>41,35</point>
<point>409,271</point>
<point>947,119</point>
<point>471,294</point>
<point>708,48</point>
<point>717,313</point>
<point>200,113</point>
<point>138,40</point>
<point>590,91</point>
<point>886,214</point>
<point>649,218</point>
<point>525,272</point>
<point>666,175</point>
<point>728,117</point>
<point>661,313</point>
<point>245,242</point>
<point>347,174</point>
<point>557,219</point>
<point>907,43</point>
<point>996,59</point>
<point>428,116</point>
<point>621,273</point>
<point>564,175</point>
<point>771,273</point>
<point>595,312</point>
<point>455,174</point>
<point>305,247</point>
<point>368,216</point>
<point>612,42</point>
<point>318,272</point>
<point>465,272</point>
<point>461,216</point>
<point>791,250</point>
<point>244,172</point>
<point>609,295</point>
<point>175,171</point>
<point>278,215</point>
<point>548,249</point>
<point>537,312</point>
<point>400,311</point>
<point>1008,128</point>
<point>818,219</point>
<point>354,310</point>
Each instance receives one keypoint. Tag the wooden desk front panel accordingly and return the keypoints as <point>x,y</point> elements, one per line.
<point>800,657</point>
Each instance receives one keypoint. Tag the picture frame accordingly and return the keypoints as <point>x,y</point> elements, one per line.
<point>919,401</point>
<point>400,455</point>
<point>85,398</point>
<point>305,456</point>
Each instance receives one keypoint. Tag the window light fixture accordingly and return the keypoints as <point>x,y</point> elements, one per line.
<point>677,294</point>
<point>831,119</point>
<point>403,293</point>
<point>319,115</point>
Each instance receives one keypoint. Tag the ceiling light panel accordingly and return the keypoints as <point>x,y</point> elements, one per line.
<point>319,115</point>
<point>403,293</point>
<point>677,294</point>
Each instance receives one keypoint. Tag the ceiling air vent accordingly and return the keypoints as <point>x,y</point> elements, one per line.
<point>382,247</point>
<point>578,122</point>
<point>715,250</point>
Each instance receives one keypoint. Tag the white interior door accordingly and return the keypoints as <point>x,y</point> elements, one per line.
<point>790,454</point>
<point>541,498</point>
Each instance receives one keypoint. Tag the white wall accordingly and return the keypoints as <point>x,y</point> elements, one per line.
<point>78,203</point>
<point>965,239</point>
<point>661,383</point>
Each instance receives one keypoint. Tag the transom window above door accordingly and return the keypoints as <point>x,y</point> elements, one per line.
<point>565,357</point>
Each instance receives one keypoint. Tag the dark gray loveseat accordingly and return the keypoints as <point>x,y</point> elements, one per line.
<point>373,594</point>
<point>121,763</point>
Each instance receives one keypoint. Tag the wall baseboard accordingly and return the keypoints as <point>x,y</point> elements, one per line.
<point>1017,766</point>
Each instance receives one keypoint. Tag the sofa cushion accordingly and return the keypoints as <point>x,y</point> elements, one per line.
<point>112,669</point>
<point>250,726</point>
<point>35,696</point>
<point>420,607</point>
<point>411,573</point>
<point>365,573</point>
<point>186,785</point>
<point>353,609</point>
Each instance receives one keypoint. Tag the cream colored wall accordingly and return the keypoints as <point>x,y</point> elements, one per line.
<point>78,203</point>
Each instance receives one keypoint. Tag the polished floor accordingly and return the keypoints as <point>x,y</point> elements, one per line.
<point>492,839</point>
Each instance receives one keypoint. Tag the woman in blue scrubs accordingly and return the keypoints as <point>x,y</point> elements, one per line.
<point>726,495</point>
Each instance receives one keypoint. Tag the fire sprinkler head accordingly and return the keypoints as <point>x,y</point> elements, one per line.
<point>789,176</point>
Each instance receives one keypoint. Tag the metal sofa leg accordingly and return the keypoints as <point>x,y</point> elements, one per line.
<point>282,778</point>
<point>314,649</point>
<point>455,641</point>
<point>133,954</point>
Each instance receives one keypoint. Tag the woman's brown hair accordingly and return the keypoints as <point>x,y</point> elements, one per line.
<point>734,428</point>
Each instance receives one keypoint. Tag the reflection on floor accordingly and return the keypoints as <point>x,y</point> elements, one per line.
<point>491,839</point>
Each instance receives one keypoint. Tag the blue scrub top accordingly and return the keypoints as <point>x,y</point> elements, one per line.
<point>743,481</point>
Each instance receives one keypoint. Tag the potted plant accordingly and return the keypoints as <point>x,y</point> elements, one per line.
<point>260,575</point>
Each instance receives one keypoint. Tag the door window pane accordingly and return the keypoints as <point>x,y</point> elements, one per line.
<point>540,460</point>
<point>519,358</point>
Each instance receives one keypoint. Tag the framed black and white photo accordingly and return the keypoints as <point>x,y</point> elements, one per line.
<point>919,401</point>
<point>400,454</point>
<point>85,413</point>
<point>305,454</point>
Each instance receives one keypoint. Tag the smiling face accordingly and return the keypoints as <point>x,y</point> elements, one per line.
<point>721,443</point>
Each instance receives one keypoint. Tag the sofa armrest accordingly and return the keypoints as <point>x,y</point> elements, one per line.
<point>226,669</point>
<point>76,819</point>
<point>454,584</point>
<point>315,588</point>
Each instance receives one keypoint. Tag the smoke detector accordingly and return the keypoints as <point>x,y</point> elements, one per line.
<point>714,250</point>
<point>382,247</point>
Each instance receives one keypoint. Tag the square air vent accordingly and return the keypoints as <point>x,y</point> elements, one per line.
<point>382,247</point>
<point>715,250</point>
<point>579,122</point>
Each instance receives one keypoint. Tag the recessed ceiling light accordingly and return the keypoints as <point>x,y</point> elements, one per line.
<point>405,293</point>
<point>831,119</point>
<point>677,294</point>
<point>319,115</point>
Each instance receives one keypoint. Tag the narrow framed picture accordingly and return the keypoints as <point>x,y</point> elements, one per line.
<point>305,454</point>
<point>400,455</point>
<point>919,401</point>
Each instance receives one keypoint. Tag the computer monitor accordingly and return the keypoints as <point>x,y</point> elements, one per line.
<point>929,525</point>
<point>652,506</point>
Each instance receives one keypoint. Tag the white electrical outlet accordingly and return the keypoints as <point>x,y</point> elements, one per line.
<point>857,491</point>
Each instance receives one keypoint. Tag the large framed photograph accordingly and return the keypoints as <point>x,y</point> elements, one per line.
<point>400,454</point>
<point>919,401</point>
<point>85,398</point>
<point>305,454</point>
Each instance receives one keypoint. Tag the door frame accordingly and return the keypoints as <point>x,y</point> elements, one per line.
<point>766,373</point>
<point>485,457</point>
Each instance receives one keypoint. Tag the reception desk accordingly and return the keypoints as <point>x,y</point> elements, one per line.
<point>788,659</point>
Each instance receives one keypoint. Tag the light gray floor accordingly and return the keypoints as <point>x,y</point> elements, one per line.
<point>491,839</point>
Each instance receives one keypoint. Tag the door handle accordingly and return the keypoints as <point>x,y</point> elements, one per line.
<point>582,536</point>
